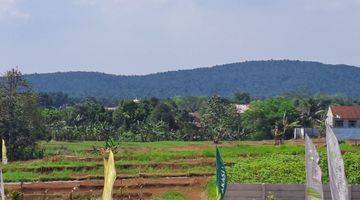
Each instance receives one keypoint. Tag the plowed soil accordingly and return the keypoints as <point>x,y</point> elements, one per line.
<point>137,188</point>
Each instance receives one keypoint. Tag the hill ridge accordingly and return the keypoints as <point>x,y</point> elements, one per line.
<point>259,78</point>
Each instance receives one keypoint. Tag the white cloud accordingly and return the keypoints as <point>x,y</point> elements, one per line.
<point>144,36</point>
<point>9,9</point>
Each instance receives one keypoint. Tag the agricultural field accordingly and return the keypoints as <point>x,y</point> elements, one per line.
<point>162,170</point>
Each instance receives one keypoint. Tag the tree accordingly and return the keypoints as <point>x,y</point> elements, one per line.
<point>242,98</point>
<point>188,130</point>
<point>54,122</point>
<point>311,111</point>
<point>190,104</point>
<point>19,118</point>
<point>56,100</point>
<point>213,118</point>
<point>234,127</point>
<point>264,116</point>
<point>281,127</point>
<point>130,113</point>
<point>163,112</point>
<point>91,111</point>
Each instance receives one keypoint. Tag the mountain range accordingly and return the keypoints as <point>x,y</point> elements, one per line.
<point>259,78</point>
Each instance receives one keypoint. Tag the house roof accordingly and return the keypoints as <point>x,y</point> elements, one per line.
<point>346,112</point>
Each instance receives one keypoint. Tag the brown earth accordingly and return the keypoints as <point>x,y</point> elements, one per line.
<point>135,188</point>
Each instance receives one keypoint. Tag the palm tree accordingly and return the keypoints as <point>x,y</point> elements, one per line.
<point>312,113</point>
<point>281,127</point>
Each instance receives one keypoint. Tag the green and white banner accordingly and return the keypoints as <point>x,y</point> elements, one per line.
<point>338,183</point>
<point>221,177</point>
<point>314,189</point>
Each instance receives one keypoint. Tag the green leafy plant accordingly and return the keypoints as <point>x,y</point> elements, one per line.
<point>270,196</point>
<point>112,144</point>
<point>16,195</point>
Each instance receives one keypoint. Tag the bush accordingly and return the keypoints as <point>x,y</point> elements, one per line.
<point>351,164</point>
<point>270,169</point>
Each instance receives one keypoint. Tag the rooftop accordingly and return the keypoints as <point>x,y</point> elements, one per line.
<point>346,112</point>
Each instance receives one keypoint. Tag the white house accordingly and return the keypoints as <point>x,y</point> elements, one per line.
<point>241,108</point>
<point>345,121</point>
<point>299,133</point>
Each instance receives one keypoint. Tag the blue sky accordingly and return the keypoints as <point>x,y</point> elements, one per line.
<point>146,36</point>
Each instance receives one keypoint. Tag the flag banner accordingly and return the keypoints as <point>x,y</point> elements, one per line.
<point>2,192</point>
<point>4,162</point>
<point>110,177</point>
<point>314,189</point>
<point>337,178</point>
<point>4,156</point>
<point>221,177</point>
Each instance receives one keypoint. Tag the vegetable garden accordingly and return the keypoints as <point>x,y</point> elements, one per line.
<point>163,170</point>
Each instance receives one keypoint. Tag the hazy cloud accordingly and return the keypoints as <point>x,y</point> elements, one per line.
<point>8,9</point>
<point>144,36</point>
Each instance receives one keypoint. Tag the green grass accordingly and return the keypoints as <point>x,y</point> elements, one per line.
<point>82,148</point>
<point>211,190</point>
<point>242,150</point>
<point>247,162</point>
<point>172,195</point>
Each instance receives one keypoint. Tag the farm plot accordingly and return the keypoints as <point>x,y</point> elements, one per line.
<point>159,170</point>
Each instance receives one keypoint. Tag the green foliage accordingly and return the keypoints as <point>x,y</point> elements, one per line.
<point>87,120</point>
<point>241,97</point>
<point>190,103</point>
<point>263,116</point>
<point>270,196</point>
<point>179,119</point>
<point>351,164</point>
<point>284,164</point>
<point>269,169</point>
<point>172,195</point>
<point>213,117</point>
<point>130,113</point>
<point>112,144</point>
<point>151,120</point>
<point>20,122</point>
<point>16,195</point>
<point>211,190</point>
<point>220,120</point>
<point>259,78</point>
<point>55,100</point>
<point>162,112</point>
<point>61,117</point>
<point>246,162</point>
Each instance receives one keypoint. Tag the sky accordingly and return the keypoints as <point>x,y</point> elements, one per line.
<point>146,36</point>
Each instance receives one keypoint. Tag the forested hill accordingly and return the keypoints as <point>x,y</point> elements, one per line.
<point>259,78</point>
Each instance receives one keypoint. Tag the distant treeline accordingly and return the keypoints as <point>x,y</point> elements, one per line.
<point>26,117</point>
<point>185,118</point>
<point>258,78</point>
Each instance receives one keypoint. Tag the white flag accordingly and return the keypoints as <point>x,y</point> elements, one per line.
<point>337,178</point>
<point>109,177</point>
<point>4,155</point>
<point>314,189</point>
